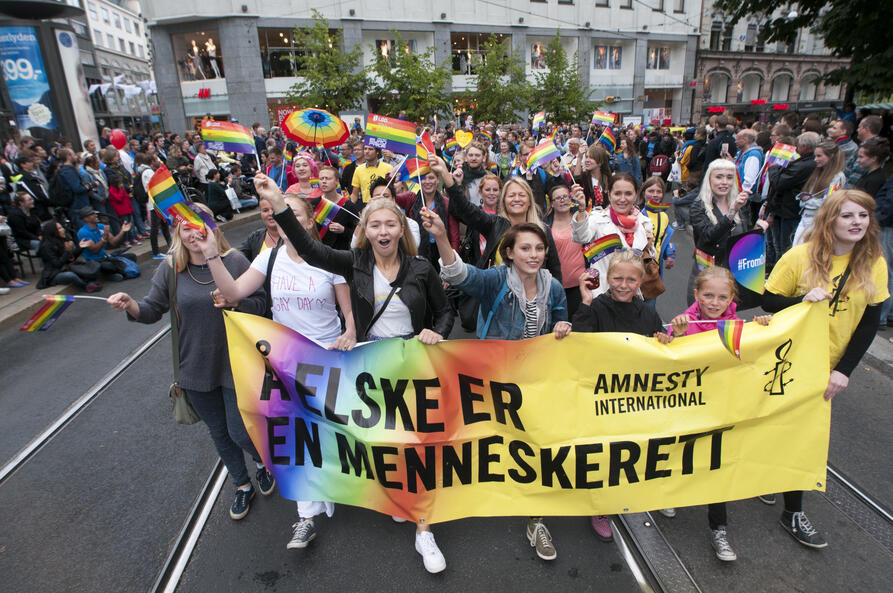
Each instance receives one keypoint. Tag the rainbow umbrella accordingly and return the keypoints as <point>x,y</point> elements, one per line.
<point>315,127</point>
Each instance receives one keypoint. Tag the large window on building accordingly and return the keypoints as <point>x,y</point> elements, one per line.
<point>749,87</point>
<point>658,58</point>
<point>716,88</point>
<point>198,55</point>
<point>466,51</point>
<point>781,87</point>
<point>607,57</point>
<point>280,56</point>
<point>387,49</point>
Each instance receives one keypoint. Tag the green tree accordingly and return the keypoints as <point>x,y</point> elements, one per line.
<point>854,29</point>
<point>410,82</point>
<point>331,80</point>
<point>559,89</point>
<point>500,80</point>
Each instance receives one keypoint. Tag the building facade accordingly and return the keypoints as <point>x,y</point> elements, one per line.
<point>738,73</point>
<point>641,53</point>
<point>121,85</point>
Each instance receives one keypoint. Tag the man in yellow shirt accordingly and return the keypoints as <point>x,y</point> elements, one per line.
<point>362,176</point>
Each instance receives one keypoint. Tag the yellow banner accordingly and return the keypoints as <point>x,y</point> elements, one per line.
<point>592,424</point>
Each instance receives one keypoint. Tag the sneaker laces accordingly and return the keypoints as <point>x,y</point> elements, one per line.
<point>301,529</point>
<point>721,540</point>
<point>541,533</point>
<point>427,543</point>
<point>804,525</point>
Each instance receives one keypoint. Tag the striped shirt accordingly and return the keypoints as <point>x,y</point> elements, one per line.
<point>531,326</point>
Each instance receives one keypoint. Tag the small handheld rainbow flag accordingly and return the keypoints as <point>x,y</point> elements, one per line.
<point>539,119</point>
<point>169,201</point>
<point>450,146</point>
<point>738,183</point>
<point>227,136</point>
<point>607,140</point>
<point>543,153</point>
<point>704,260</point>
<point>601,248</point>
<point>781,155</point>
<point>486,135</point>
<point>48,314</point>
<point>392,134</point>
<point>602,117</point>
<point>325,212</point>
<point>656,206</point>
<point>730,331</point>
<point>411,168</point>
<point>425,144</point>
<point>494,168</point>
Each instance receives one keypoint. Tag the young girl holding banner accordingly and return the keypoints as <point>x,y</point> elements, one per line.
<point>291,282</point>
<point>841,262</point>
<point>393,293</point>
<point>518,300</point>
<point>714,300</point>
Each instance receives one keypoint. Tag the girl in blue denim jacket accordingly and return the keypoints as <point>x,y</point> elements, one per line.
<point>519,299</point>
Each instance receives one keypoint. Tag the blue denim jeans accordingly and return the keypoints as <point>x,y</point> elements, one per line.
<point>220,412</point>
<point>69,278</point>
<point>887,243</point>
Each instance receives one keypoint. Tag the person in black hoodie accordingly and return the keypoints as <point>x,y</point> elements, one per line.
<point>24,223</point>
<point>218,202</point>
<point>782,204</point>
<point>723,143</point>
<point>393,292</point>
<point>31,183</point>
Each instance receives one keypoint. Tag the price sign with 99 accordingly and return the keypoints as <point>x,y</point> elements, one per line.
<point>20,69</point>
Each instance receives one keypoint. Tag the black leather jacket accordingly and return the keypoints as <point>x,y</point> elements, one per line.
<point>421,289</point>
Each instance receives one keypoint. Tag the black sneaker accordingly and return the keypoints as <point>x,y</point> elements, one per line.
<point>265,481</point>
<point>799,526</point>
<point>241,503</point>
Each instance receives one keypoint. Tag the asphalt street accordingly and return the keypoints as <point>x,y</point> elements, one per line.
<point>99,507</point>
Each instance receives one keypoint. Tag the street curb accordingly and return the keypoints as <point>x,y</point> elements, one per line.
<point>17,312</point>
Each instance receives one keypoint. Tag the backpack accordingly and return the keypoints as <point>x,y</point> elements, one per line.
<point>139,191</point>
<point>60,197</point>
<point>660,165</point>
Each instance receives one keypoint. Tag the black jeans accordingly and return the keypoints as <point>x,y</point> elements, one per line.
<point>716,515</point>
<point>219,410</point>
<point>157,222</point>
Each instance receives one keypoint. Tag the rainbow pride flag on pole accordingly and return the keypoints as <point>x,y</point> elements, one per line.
<point>48,314</point>
<point>608,140</point>
<point>539,119</point>
<point>704,260</point>
<point>781,155</point>
<point>227,136</point>
<point>543,153</point>
<point>601,248</point>
<point>169,201</point>
<point>325,213</point>
<point>392,134</point>
<point>730,331</point>
<point>411,168</point>
<point>603,117</point>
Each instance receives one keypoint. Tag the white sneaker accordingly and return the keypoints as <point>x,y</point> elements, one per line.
<point>4,290</point>
<point>398,519</point>
<point>669,512</point>
<point>721,545</point>
<point>431,555</point>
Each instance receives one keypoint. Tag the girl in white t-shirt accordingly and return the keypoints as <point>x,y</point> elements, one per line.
<point>302,298</point>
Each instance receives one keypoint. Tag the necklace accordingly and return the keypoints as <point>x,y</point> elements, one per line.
<point>188,271</point>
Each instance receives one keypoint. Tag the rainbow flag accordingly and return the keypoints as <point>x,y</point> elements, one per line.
<point>169,202</point>
<point>601,248</point>
<point>543,153</point>
<point>426,144</point>
<point>704,260</point>
<point>494,168</point>
<point>450,146</point>
<point>48,314</point>
<point>227,136</point>
<point>392,134</point>
<point>781,155</point>
<point>603,117</point>
<point>486,135</point>
<point>413,187</point>
<point>539,119</point>
<point>325,212</point>
<point>607,139</point>
<point>730,331</point>
<point>412,168</point>
<point>738,183</point>
<point>657,206</point>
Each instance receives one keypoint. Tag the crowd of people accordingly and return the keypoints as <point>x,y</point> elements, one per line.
<point>508,251</point>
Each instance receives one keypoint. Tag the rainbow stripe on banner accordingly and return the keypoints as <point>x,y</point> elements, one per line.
<point>392,134</point>
<point>704,260</point>
<point>539,119</point>
<point>227,136</point>
<point>781,154</point>
<point>608,140</point>
<point>601,248</point>
<point>169,201</point>
<point>48,314</point>
<point>543,153</point>
<point>730,331</point>
<point>657,206</point>
<point>603,117</point>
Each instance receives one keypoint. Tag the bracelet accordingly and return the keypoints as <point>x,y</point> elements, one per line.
<point>215,256</point>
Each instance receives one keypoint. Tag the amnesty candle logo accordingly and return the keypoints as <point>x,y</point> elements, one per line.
<point>777,382</point>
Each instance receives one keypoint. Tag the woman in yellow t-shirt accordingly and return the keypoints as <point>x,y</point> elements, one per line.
<point>841,261</point>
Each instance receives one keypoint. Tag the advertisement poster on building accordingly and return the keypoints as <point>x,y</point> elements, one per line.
<point>26,80</point>
<point>77,84</point>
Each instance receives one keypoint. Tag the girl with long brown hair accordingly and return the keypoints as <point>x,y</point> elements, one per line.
<point>830,162</point>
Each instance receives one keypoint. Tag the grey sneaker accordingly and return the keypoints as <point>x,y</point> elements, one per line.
<point>669,512</point>
<point>541,539</point>
<point>303,533</point>
<point>721,546</point>
<point>767,499</point>
<point>799,526</point>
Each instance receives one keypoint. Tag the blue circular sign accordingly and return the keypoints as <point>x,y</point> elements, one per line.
<point>65,39</point>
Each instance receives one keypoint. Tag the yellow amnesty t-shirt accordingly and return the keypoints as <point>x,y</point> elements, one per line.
<point>362,177</point>
<point>788,279</point>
